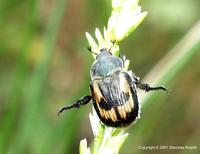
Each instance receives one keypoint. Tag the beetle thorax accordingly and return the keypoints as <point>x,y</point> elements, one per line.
<point>105,66</point>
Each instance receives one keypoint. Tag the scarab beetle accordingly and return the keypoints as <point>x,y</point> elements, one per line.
<point>113,91</point>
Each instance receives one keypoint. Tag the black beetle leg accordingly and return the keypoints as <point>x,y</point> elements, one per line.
<point>144,86</point>
<point>84,100</point>
<point>147,88</point>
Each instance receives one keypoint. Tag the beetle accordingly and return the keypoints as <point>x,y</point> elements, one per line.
<point>113,91</point>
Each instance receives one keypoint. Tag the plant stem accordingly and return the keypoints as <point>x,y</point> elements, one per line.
<point>32,108</point>
<point>175,60</point>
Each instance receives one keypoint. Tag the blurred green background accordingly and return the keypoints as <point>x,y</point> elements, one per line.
<point>44,64</point>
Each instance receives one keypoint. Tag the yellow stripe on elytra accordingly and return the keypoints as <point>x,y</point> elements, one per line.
<point>121,111</point>
<point>113,115</point>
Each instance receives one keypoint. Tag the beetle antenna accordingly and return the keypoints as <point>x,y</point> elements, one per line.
<point>90,50</point>
<point>113,43</point>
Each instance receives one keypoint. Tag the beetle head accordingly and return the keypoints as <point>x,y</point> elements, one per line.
<point>103,53</point>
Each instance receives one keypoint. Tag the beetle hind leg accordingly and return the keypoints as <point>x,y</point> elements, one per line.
<point>147,87</point>
<point>84,100</point>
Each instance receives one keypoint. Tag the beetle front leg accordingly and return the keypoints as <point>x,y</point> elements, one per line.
<point>84,100</point>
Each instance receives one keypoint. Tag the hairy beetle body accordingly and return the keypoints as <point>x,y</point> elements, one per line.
<point>113,91</point>
<point>115,99</point>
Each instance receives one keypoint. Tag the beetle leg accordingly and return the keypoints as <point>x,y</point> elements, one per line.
<point>147,87</point>
<point>84,100</point>
<point>144,86</point>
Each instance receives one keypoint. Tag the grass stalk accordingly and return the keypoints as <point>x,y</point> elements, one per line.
<point>35,93</point>
<point>167,68</point>
<point>164,72</point>
<point>21,72</point>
